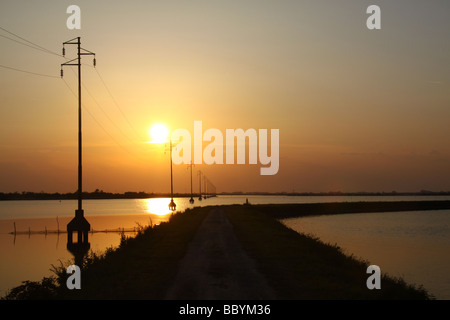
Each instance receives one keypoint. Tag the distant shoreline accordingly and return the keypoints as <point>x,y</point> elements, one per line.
<point>295,210</point>
<point>143,195</point>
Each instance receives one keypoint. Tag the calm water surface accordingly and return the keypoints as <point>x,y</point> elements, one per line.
<point>29,257</point>
<point>413,245</point>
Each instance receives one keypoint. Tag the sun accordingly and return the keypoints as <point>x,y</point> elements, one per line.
<point>159,133</point>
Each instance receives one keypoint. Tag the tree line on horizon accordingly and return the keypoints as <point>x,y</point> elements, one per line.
<point>100,194</point>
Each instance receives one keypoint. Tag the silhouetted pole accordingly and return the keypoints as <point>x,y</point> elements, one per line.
<point>79,223</point>
<point>171,174</point>
<point>191,200</point>
<point>77,41</point>
<point>80,140</point>
<point>172,205</point>
<point>212,189</point>
<point>200,185</point>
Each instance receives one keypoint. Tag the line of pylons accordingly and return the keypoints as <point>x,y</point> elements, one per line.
<point>208,190</point>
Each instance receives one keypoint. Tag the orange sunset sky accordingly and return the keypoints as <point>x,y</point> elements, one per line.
<point>357,109</point>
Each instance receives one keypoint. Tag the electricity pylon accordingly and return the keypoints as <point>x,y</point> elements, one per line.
<point>172,204</point>
<point>199,185</point>
<point>191,200</point>
<point>79,223</point>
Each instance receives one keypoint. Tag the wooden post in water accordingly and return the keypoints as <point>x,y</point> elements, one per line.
<point>15,233</point>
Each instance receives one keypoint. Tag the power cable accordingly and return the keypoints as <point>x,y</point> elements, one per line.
<point>106,115</point>
<point>96,121</point>
<point>30,42</point>
<point>115,102</point>
<point>29,72</point>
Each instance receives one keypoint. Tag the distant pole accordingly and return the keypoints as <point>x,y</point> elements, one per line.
<point>172,205</point>
<point>191,180</point>
<point>191,200</point>
<point>200,185</point>
<point>15,233</point>
<point>171,175</point>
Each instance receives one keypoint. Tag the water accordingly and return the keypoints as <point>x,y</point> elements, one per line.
<point>159,206</point>
<point>412,245</point>
<point>29,257</point>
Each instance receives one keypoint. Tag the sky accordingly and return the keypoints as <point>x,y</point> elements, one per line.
<point>356,109</point>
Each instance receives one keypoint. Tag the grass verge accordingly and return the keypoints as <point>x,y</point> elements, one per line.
<point>300,267</point>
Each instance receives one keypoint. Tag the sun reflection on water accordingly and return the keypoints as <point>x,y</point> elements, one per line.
<point>158,206</point>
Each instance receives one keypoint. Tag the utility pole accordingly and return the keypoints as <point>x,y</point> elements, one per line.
<point>79,223</point>
<point>199,185</point>
<point>212,189</point>
<point>191,200</point>
<point>172,205</point>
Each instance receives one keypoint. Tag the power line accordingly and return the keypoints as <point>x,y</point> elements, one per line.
<point>106,114</point>
<point>36,46</point>
<point>115,102</point>
<point>29,72</point>
<point>24,44</point>
<point>29,44</point>
<point>43,49</point>
<point>96,121</point>
<point>98,105</point>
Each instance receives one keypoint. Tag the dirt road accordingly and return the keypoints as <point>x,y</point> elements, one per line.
<point>216,266</point>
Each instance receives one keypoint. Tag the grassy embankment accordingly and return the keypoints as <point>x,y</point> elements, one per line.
<point>296,266</point>
<point>300,267</point>
<point>140,268</point>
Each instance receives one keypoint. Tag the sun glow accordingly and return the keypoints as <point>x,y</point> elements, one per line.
<point>159,133</point>
<point>158,206</point>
